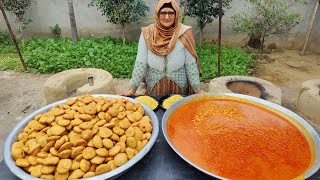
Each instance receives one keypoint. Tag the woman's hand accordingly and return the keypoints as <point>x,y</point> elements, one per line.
<point>198,91</point>
<point>130,92</point>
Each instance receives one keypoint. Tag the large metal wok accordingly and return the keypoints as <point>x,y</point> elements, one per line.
<point>310,134</point>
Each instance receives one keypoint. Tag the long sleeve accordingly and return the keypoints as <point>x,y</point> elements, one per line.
<point>140,66</point>
<point>192,70</point>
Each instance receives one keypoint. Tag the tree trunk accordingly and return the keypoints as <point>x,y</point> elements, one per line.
<point>184,11</point>
<point>262,42</point>
<point>20,28</point>
<point>123,35</point>
<point>201,26</point>
<point>122,8</point>
<point>261,46</point>
<point>254,42</point>
<point>201,36</point>
<point>20,32</point>
<point>73,23</point>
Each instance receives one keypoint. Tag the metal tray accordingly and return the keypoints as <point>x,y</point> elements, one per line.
<point>109,175</point>
<point>307,130</point>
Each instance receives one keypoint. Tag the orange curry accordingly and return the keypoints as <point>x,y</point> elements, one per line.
<point>238,140</point>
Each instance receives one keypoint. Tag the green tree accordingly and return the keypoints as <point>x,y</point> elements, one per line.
<point>56,31</point>
<point>19,8</point>
<point>121,12</point>
<point>265,17</point>
<point>204,11</point>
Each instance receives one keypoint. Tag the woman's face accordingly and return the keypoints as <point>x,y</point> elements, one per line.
<point>167,17</point>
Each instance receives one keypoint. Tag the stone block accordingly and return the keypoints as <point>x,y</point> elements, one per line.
<point>74,82</point>
<point>308,101</point>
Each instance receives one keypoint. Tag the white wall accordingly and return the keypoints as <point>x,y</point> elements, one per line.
<point>46,13</point>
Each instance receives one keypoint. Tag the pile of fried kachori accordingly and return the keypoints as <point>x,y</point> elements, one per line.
<point>84,137</point>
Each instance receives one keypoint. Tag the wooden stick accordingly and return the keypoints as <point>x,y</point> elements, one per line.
<point>12,35</point>
<point>219,37</point>
<point>310,28</point>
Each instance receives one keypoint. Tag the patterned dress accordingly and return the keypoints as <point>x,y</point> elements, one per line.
<point>170,74</point>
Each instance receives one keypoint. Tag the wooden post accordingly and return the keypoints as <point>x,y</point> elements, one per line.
<point>219,37</point>
<point>12,35</point>
<point>310,27</point>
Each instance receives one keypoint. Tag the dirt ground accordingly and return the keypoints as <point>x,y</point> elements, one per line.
<point>20,93</point>
<point>288,70</point>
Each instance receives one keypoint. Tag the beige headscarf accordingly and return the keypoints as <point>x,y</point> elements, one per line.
<point>162,41</point>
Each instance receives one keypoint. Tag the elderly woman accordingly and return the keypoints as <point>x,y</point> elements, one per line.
<point>166,57</point>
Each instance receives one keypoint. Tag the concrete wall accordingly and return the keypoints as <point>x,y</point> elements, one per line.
<point>46,13</point>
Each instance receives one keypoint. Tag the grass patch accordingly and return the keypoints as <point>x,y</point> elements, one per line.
<point>56,55</point>
<point>10,61</point>
<point>234,61</point>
